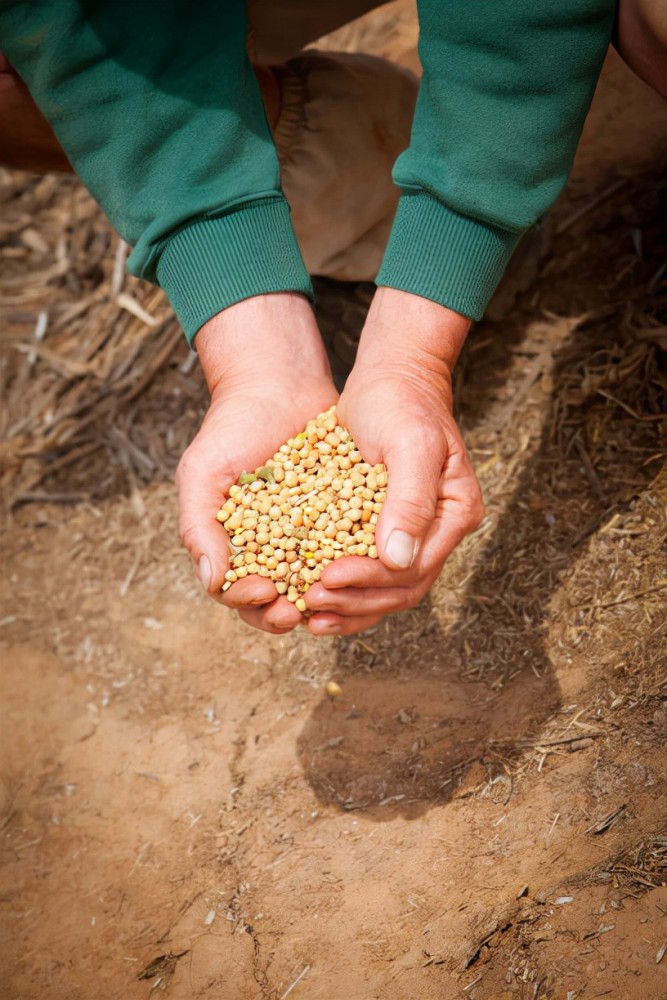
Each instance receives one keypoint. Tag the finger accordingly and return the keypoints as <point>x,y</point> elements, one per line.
<point>460,509</point>
<point>362,572</point>
<point>276,621</point>
<point>351,602</point>
<point>200,497</point>
<point>414,467</point>
<point>251,591</point>
<point>324,623</point>
<point>254,618</point>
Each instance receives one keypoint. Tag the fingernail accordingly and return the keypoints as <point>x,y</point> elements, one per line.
<point>205,571</point>
<point>401,548</point>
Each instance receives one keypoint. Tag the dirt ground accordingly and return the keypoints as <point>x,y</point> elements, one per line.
<point>481,814</point>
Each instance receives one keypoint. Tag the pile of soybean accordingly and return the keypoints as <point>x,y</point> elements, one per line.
<point>314,501</point>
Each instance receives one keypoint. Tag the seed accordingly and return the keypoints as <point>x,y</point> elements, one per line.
<point>314,501</point>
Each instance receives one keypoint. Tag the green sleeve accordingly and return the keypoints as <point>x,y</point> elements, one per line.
<point>505,91</point>
<point>157,107</point>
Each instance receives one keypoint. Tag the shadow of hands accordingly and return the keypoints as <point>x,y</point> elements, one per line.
<point>409,728</point>
<point>443,698</point>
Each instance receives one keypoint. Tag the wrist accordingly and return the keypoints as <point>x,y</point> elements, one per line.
<point>269,337</point>
<point>406,328</point>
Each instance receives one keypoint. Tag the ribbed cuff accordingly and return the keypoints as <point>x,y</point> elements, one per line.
<point>224,259</point>
<point>445,257</point>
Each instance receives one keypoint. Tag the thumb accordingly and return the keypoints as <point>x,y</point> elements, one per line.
<point>203,537</point>
<point>413,477</point>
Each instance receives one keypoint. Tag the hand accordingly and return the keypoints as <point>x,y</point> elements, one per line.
<point>398,406</point>
<point>268,374</point>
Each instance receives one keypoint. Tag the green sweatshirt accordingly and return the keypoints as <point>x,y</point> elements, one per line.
<point>159,112</point>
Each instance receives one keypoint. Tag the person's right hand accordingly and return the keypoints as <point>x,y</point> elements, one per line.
<point>397,404</point>
<point>268,374</point>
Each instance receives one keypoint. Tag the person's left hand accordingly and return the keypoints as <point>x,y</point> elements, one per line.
<point>268,374</point>
<point>397,405</point>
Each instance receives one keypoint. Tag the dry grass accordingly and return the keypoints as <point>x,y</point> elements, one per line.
<point>82,343</point>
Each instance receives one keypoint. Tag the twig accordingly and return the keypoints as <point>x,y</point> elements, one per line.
<point>118,276</point>
<point>628,409</point>
<point>553,826</point>
<point>537,744</point>
<point>623,600</point>
<point>608,821</point>
<point>296,982</point>
<point>39,334</point>
<point>42,496</point>
<point>60,463</point>
<point>589,470</point>
<point>131,305</point>
<point>125,585</point>
<point>470,985</point>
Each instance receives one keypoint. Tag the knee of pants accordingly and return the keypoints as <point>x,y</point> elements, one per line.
<point>344,120</point>
<point>280,29</point>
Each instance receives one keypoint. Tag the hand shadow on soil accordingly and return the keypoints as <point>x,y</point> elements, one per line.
<point>424,709</point>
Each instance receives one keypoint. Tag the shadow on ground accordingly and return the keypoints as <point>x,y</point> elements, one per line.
<point>426,709</point>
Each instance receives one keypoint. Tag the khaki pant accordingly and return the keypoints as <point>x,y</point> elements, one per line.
<point>343,120</point>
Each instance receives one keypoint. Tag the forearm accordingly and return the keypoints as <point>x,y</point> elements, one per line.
<point>161,116</point>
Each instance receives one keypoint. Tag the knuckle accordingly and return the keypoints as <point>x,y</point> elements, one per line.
<point>414,513</point>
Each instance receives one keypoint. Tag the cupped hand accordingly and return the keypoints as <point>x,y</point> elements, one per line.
<point>268,374</point>
<point>398,406</point>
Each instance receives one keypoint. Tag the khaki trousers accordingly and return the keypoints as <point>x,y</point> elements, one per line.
<point>344,118</point>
